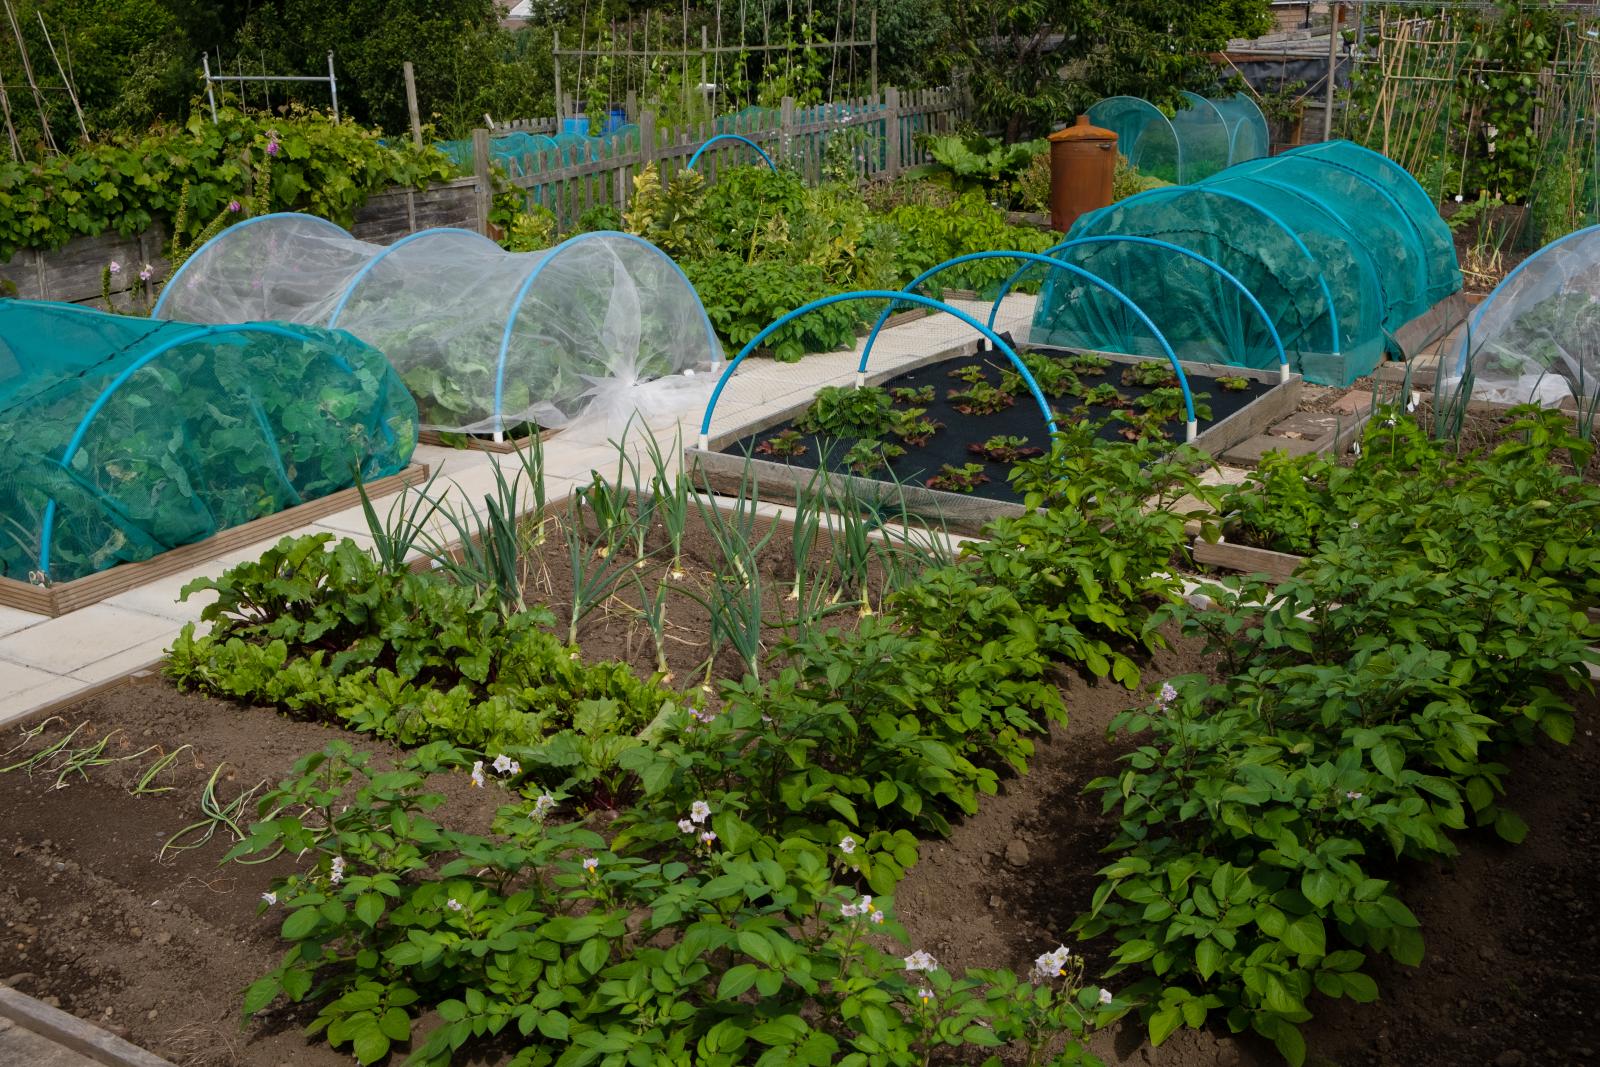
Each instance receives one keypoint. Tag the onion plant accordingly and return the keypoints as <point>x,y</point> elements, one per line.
<point>596,572</point>
<point>653,610</point>
<point>734,601</point>
<point>672,490</point>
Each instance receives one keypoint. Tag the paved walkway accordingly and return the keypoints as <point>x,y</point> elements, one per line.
<point>44,660</point>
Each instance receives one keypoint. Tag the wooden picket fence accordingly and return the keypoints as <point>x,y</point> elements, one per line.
<point>874,136</point>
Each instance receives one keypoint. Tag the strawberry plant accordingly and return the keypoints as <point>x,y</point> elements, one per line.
<point>786,444</point>
<point>1104,395</point>
<point>1139,425</point>
<point>1085,363</point>
<point>846,411</point>
<point>1233,383</point>
<point>906,395</point>
<point>1002,448</point>
<point>1167,404</point>
<point>1150,373</point>
<point>963,479</point>
<point>980,398</point>
<point>1054,378</point>
<point>866,457</point>
<point>913,429</point>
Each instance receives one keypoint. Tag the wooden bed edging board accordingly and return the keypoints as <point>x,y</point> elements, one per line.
<point>69,1030</point>
<point>778,482</point>
<point>484,444</point>
<point>1245,559</point>
<point>57,600</point>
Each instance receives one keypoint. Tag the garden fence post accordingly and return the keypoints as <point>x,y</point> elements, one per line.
<point>891,154</point>
<point>411,102</point>
<point>647,137</point>
<point>786,127</point>
<point>485,180</point>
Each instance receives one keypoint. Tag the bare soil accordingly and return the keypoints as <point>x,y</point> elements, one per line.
<point>160,949</point>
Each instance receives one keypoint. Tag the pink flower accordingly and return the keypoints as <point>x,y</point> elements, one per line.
<point>234,207</point>
<point>115,268</point>
<point>146,272</point>
<point>272,148</point>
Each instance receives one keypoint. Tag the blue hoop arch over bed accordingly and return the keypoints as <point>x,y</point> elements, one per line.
<point>487,340</point>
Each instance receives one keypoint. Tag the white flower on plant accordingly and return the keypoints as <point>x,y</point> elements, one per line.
<point>1354,525</point>
<point>336,875</point>
<point>1458,198</point>
<point>1105,996</point>
<point>849,911</point>
<point>1052,964</point>
<point>146,272</point>
<point>453,904</point>
<point>591,864</point>
<point>1169,693</point>
<point>686,826</point>
<point>1352,795</point>
<point>477,774</point>
<point>504,764</point>
<point>708,837</point>
<point>847,845</point>
<point>115,267</point>
<point>270,898</point>
<point>921,961</point>
<point>876,916</point>
<point>699,811</point>
<point>543,805</point>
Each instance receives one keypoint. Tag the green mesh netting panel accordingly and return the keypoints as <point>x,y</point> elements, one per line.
<point>1200,138</point>
<point>121,438</point>
<point>1337,259</point>
<point>1536,338</point>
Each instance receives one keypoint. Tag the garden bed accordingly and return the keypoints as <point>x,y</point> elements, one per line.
<point>159,952</point>
<point>59,599</point>
<point>736,455</point>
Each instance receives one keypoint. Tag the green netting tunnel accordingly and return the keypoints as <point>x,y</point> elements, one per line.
<point>1339,244</point>
<point>1201,138</point>
<point>121,438</point>
<point>1536,338</point>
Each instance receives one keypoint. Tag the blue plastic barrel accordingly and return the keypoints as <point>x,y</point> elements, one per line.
<point>616,118</point>
<point>577,124</point>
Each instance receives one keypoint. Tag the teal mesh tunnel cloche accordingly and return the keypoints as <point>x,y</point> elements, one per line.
<point>1338,244</point>
<point>1200,138</point>
<point>121,438</point>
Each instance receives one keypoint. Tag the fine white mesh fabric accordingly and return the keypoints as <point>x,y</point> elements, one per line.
<point>1536,338</point>
<point>486,340</point>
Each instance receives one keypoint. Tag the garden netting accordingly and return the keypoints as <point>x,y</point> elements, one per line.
<point>1200,138</point>
<point>1536,337</point>
<point>1334,244</point>
<point>488,341</point>
<point>121,437</point>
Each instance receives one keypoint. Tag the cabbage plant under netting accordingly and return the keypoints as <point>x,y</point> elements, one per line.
<point>1536,337</point>
<point>121,438</point>
<point>1338,261</point>
<point>487,340</point>
<point>1201,138</point>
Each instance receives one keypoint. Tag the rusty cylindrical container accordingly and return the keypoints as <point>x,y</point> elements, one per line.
<point>1083,159</point>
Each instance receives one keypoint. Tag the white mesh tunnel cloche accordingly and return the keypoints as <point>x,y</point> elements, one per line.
<point>488,341</point>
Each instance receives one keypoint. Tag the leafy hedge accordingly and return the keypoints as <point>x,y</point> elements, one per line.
<point>318,165</point>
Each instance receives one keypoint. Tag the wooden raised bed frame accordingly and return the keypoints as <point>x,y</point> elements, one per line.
<point>57,600</point>
<point>960,512</point>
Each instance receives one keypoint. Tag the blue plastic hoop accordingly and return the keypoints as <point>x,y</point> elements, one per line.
<point>1111,238</point>
<point>1093,279</point>
<point>155,312</point>
<point>527,283</point>
<point>730,137</point>
<point>349,290</point>
<point>873,294</point>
